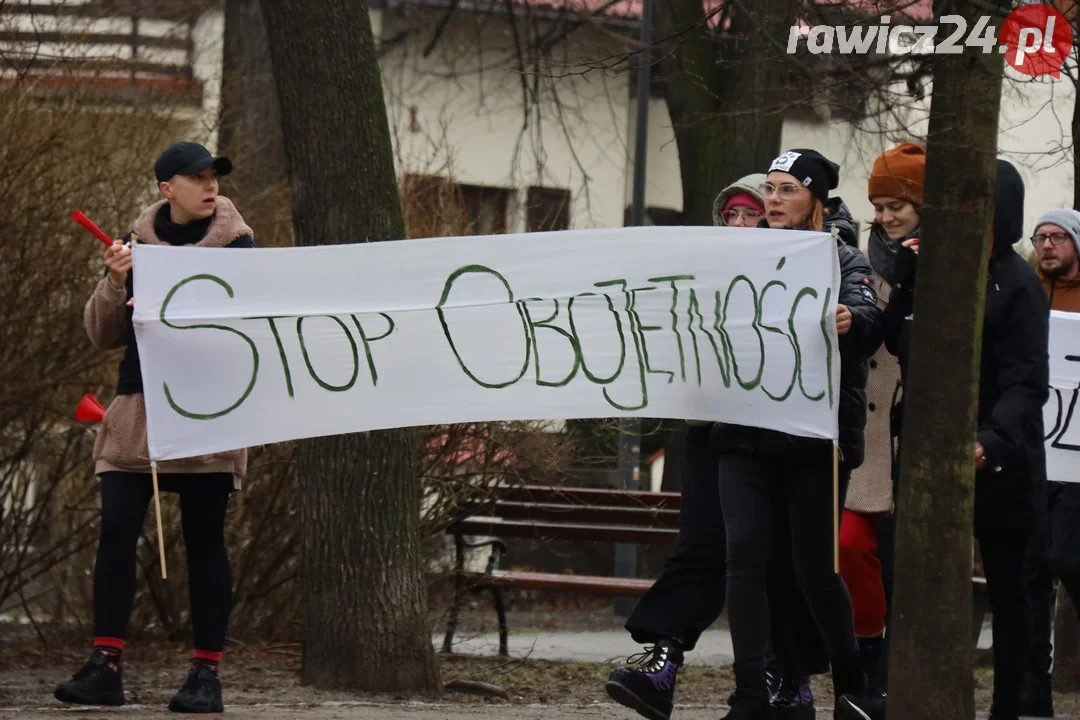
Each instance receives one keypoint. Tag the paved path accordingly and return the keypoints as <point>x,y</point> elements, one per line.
<point>403,711</point>
<point>713,649</point>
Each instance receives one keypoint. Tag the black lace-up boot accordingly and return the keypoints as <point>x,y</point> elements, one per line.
<point>647,683</point>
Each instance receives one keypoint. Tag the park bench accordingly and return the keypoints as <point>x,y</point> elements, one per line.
<point>548,512</point>
<point>543,512</point>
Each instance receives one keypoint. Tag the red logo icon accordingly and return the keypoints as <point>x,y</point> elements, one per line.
<point>1036,40</point>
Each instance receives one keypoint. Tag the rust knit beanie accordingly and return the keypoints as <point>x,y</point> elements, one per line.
<point>899,173</point>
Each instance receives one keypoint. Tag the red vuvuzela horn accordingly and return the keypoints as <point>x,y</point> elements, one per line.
<point>81,218</point>
<point>89,409</point>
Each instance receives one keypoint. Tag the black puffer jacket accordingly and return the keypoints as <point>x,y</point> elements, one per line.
<point>856,348</point>
<point>1015,370</point>
<point>837,213</point>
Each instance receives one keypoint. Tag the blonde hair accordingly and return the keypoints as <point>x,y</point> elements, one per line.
<point>816,219</point>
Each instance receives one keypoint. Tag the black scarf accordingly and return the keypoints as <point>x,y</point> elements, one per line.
<point>883,251</point>
<point>177,234</point>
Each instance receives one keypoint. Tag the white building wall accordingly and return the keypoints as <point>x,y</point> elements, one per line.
<point>461,112</point>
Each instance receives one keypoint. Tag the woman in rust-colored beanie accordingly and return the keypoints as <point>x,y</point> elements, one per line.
<point>896,192</point>
<point>895,189</point>
<point>899,173</point>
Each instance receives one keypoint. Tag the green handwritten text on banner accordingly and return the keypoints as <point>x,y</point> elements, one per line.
<point>245,347</point>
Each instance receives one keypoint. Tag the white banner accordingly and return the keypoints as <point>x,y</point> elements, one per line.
<point>247,347</point>
<point>1062,426</point>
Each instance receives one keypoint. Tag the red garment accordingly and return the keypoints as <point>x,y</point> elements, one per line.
<point>861,570</point>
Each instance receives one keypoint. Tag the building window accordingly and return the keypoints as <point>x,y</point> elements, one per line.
<point>483,209</point>
<point>435,207</point>
<point>548,209</point>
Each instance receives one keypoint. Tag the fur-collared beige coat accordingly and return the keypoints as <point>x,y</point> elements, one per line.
<point>121,443</point>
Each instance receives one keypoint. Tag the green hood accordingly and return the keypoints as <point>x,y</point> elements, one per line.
<point>748,184</point>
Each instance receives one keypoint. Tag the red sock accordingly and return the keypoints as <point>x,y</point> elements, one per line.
<point>112,648</point>
<point>110,643</point>
<point>206,658</point>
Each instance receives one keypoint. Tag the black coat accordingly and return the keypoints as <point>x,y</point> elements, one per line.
<point>1015,369</point>
<point>856,348</point>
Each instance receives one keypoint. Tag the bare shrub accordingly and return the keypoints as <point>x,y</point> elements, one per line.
<point>62,147</point>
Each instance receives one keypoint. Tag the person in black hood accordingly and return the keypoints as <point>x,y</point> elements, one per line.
<point>1008,447</point>
<point>761,469</point>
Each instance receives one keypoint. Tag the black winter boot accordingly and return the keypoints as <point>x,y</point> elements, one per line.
<point>647,684</point>
<point>751,698</point>
<point>200,693</point>
<point>773,682</point>
<point>99,682</point>
<point>794,700</point>
<point>1038,699</point>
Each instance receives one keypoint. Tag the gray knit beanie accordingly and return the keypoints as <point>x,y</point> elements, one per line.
<point>1067,220</point>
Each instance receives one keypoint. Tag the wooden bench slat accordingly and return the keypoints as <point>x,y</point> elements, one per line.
<point>558,494</point>
<point>627,587</point>
<point>585,514</point>
<point>567,531</point>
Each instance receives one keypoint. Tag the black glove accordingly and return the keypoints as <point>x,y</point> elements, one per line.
<point>905,268</point>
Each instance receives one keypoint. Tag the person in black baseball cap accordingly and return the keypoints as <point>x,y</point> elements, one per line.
<point>187,175</point>
<point>189,158</point>
<point>192,215</point>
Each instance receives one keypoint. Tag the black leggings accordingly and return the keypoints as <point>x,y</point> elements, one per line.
<point>1003,553</point>
<point>125,498</point>
<point>1053,553</point>
<point>750,486</point>
<point>688,596</point>
<point>797,644</point>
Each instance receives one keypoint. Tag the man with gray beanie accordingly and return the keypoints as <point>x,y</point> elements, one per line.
<point>1056,551</point>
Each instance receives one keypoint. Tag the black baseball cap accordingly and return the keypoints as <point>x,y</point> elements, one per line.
<point>188,158</point>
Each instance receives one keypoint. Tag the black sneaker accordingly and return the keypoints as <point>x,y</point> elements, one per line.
<point>1038,699</point>
<point>871,707</point>
<point>201,693</point>
<point>648,688</point>
<point>794,700</point>
<point>99,682</point>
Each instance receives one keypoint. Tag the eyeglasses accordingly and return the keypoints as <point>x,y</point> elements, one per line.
<point>1056,238</point>
<point>786,191</point>
<point>746,215</point>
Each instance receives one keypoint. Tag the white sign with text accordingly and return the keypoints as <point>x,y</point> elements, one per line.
<point>245,347</point>
<point>1062,426</point>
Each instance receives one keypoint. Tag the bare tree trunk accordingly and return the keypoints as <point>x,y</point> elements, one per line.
<point>725,98</point>
<point>250,126</point>
<point>932,653</point>
<point>725,94</point>
<point>365,607</point>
